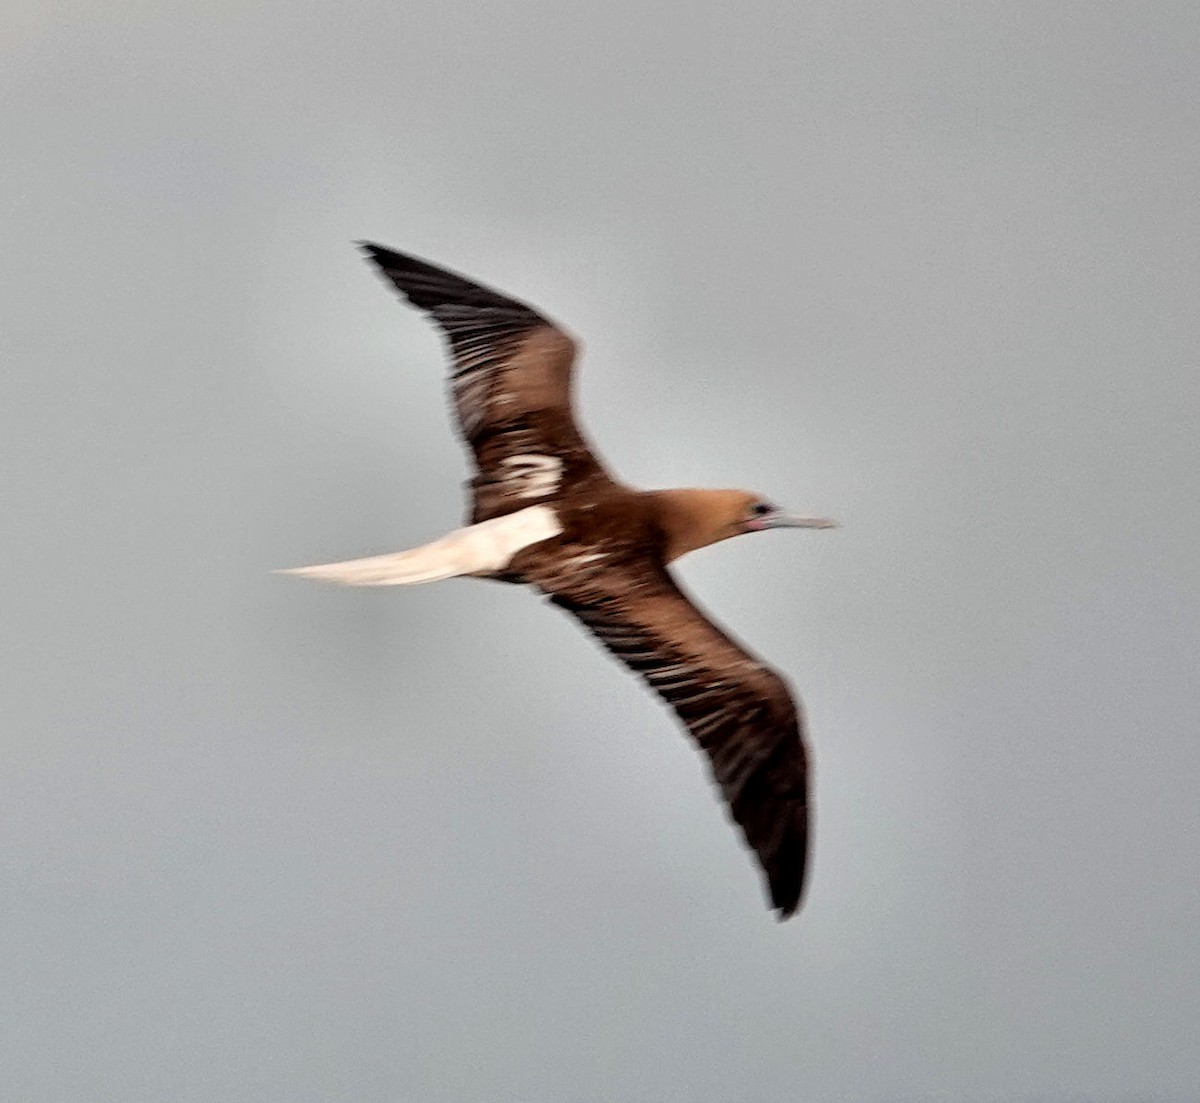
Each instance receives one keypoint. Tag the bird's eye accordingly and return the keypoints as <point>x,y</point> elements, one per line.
<point>761,509</point>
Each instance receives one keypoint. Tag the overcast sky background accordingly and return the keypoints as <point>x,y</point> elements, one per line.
<point>928,268</point>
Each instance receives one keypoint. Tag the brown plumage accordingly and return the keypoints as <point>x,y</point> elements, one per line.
<point>545,512</point>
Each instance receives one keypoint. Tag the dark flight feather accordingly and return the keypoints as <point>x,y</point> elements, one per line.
<point>737,709</point>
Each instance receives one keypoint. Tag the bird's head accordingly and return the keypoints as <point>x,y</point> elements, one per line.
<point>696,518</point>
<point>757,513</point>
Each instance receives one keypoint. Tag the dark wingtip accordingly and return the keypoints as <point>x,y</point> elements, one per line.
<point>427,285</point>
<point>785,912</point>
<point>785,906</point>
<point>377,253</point>
<point>787,876</point>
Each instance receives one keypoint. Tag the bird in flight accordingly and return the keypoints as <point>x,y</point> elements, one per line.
<point>546,513</point>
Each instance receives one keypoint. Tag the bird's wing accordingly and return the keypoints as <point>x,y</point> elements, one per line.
<point>510,384</point>
<point>738,710</point>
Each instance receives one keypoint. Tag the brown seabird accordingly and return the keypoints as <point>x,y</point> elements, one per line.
<point>545,512</point>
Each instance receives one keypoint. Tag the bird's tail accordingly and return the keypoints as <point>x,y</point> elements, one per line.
<point>404,568</point>
<point>480,549</point>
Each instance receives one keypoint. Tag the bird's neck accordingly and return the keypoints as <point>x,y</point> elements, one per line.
<point>692,518</point>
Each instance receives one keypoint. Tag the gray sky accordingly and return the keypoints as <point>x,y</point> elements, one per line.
<point>929,268</point>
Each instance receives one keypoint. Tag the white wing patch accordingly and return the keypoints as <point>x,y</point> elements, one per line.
<point>532,476</point>
<point>480,549</point>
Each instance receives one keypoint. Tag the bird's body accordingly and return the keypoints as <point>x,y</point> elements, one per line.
<point>545,512</point>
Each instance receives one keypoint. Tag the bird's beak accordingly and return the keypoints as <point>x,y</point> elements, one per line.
<point>783,520</point>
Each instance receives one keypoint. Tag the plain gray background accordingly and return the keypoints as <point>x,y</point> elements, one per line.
<point>929,268</point>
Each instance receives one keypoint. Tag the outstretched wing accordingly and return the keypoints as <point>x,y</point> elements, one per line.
<point>510,384</point>
<point>738,710</point>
